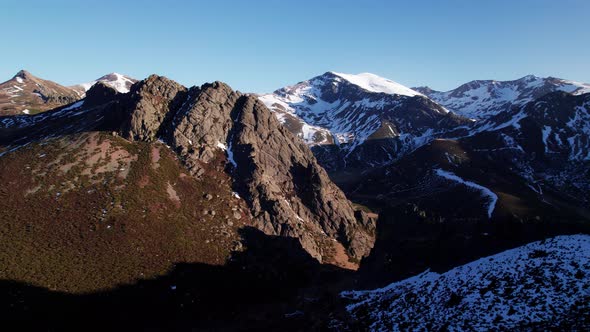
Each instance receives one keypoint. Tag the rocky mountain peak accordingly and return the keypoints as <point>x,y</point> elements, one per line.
<point>287,191</point>
<point>358,120</point>
<point>28,94</point>
<point>23,74</point>
<point>529,77</point>
<point>150,101</point>
<point>119,82</point>
<point>100,93</point>
<point>213,129</point>
<point>425,90</point>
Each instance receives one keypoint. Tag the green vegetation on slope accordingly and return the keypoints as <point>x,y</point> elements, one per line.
<point>92,211</point>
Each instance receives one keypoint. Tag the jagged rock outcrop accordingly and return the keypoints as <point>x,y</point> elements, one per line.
<point>150,101</point>
<point>289,194</point>
<point>100,93</point>
<point>201,127</point>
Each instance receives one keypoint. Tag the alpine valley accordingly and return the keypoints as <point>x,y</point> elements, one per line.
<point>343,202</point>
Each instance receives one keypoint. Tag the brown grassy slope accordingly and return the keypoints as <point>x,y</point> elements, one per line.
<point>89,212</point>
<point>25,91</point>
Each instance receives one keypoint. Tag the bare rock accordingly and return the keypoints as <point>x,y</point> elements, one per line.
<point>289,194</point>
<point>152,101</point>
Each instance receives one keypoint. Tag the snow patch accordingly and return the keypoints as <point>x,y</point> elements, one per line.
<point>546,132</point>
<point>221,146</point>
<point>374,83</point>
<point>74,105</point>
<point>493,198</point>
<point>119,82</point>
<point>536,285</point>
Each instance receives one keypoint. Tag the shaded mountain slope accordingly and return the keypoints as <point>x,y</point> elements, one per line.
<point>456,180</point>
<point>91,211</point>
<point>542,285</point>
<point>273,284</point>
<point>534,158</point>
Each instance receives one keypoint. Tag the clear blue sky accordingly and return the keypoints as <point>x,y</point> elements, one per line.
<point>258,46</point>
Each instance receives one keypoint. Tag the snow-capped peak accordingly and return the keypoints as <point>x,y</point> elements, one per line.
<point>120,82</point>
<point>483,99</point>
<point>117,81</point>
<point>374,83</point>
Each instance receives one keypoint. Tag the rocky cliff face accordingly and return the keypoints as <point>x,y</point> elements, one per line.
<point>149,102</point>
<point>288,193</point>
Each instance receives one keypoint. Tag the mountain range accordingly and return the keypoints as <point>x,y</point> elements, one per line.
<point>485,98</point>
<point>363,126</point>
<point>146,196</point>
<point>28,94</point>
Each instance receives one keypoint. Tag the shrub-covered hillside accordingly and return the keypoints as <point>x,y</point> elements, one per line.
<point>92,211</point>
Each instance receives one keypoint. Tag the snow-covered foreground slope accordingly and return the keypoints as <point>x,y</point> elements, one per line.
<point>540,285</point>
<point>483,99</point>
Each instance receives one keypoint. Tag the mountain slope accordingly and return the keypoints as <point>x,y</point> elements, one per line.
<point>546,141</point>
<point>542,285</point>
<point>486,98</point>
<point>27,94</point>
<point>358,120</point>
<point>203,124</point>
<point>90,211</point>
<point>536,152</point>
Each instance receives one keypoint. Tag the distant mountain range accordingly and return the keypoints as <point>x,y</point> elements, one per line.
<point>484,99</point>
<point>340,180</point>
<point>348,111</point>
<point>359,121</point>
<point>28,94</point>
<point>366,127</point>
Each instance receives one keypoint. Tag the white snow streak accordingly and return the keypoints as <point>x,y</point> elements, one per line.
<point>374,83</point>
<point>485,191</point>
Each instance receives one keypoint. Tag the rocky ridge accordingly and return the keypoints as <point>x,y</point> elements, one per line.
<point>288,192</point>
<point>482,99</point>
